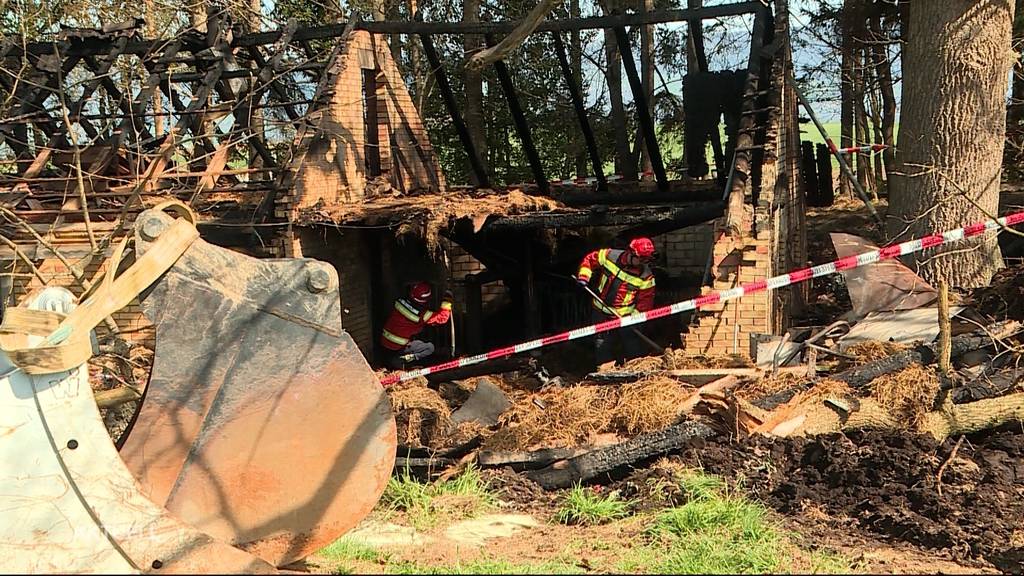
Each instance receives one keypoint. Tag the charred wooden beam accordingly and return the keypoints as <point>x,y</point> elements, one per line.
<point>510,364</point>
<point>633,452</point>
<point>681,215</point>
<point>860,376</point>
<point>475,163</point>
<point>696,29</point>
<point>519,120</point>
<point>99,45</point>
<point>529,460</point>
<point>275,85</point>
<point>619,193</point>
<point>740,174</point>
<point>643,110</point>
<point>581,113</point>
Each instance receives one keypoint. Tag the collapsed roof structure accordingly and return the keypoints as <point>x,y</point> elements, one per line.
<point>304,141</point>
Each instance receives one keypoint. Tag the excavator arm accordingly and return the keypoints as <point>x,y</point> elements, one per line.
<point>262,431</point>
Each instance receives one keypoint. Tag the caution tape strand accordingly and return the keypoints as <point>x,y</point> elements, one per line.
<point>769,284</point>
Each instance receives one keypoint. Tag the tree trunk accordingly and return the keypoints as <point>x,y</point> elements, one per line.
<point>883,70</point>
<point>613,62</point>
<point>861,134</point>
<point>412,48</point>
<point>158,102</point>
<point>614,76</point>
<point>576,63</point>
<point>474,86</point>
<point>875,115</point>
<point>1015,112</point>
<point>647,77</point>
<point>848,54</point>
<point>256,114</point>
<point>956,66</point>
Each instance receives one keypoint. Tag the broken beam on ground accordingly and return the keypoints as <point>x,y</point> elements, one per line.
<point>926,354</point>
<point>510,364</point>
<point>634,451</point>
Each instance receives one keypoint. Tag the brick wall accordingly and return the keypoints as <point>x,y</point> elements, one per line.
<point>462,264</point>
<point>779,241</point>
<point>686,251</point>
<point>333,168</point>
<point>726,327</point>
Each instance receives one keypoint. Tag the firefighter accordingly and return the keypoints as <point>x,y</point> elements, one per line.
<point>624,283</point>
<point>407,319</point>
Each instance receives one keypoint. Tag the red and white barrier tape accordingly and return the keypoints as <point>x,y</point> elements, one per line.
<point>848,263</point>
<point>861,149</point>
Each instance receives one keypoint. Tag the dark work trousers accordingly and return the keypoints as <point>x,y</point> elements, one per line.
<point>619,345</point>
<point>414,351</point>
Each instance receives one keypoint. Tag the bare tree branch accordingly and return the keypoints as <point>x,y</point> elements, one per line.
<point>509,43</point>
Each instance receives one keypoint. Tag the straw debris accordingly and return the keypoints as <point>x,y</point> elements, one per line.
<point>575,416</point>
<point>908,394</point>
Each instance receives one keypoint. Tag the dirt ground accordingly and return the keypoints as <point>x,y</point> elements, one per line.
<point>887,485</point>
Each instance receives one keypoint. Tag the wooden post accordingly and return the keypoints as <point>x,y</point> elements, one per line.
<point>581,114</point>
<point>533,324</point>
<point>519,119</point>
<point>472,325</point>
<point>643,108</point>
<point>945,337</point>
<point>453,110</point>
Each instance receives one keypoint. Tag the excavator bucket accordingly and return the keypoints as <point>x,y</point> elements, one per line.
<point>262,424</point>
<point>69,505</point>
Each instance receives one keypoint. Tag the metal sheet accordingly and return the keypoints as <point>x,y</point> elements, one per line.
<point>883,286</point>
<point>69,504</point>
<point>262,423</point>
<point>903,326</point>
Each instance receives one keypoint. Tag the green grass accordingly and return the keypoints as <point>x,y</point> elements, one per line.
<point>587,507</point>
<point>487,566</point>
<point>344,552</point>
<point>713,532</point>
<point>426,504</point>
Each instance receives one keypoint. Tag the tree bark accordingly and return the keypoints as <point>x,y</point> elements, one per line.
<point>576,63</point>
<point>875,115</point>
<point>158,103</point>
<point>255,114</point>
<point>848,53</point>
<point>474,86</point>
<point>883,70</point>
<point>955,64</point>
<point>647,78</point>
<point>861,134</point>
<point>1015,111</point>
<point>613,61</point>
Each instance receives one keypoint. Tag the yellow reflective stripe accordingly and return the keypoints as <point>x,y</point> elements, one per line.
<point>628,298</point>
<point>584,273</point>
<point>635,281</point>
<point>446,305</point>
<point>601,282</point>
<point>621,310</point>
<point>404,310</point>
<point>396,339</point>
<point>427,315</point>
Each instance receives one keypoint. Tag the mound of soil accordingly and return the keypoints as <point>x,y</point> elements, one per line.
<point>888,484</point>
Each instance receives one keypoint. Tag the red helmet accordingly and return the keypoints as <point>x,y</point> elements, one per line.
<point>642,247</point>
<point>420,292</point>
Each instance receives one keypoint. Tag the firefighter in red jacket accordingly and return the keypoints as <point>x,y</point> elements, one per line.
<point>407,319</point>
<point>625,284</point>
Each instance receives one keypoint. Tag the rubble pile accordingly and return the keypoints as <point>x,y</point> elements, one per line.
<point>821,420</point>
